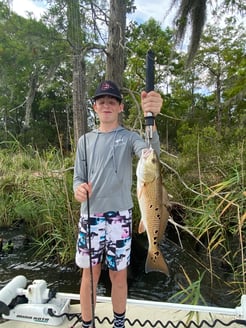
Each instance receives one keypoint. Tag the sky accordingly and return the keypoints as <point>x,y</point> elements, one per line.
<point>145,9</point>
<point>159,10</point>
<point>24,6</point>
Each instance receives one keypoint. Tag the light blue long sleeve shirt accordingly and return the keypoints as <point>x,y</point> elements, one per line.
<point>109,167</point>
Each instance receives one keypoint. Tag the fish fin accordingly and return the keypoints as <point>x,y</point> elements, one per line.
<point>140,190</point>
<point>155,262</point>
<point>165,198</point>
<point>141,227</point>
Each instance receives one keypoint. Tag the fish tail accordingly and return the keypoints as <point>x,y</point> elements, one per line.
<point>155,262</point>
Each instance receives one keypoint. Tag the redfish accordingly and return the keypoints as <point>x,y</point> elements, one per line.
<point>153,203</point>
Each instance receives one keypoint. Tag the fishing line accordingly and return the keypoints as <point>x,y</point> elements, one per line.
<point>76,34</point>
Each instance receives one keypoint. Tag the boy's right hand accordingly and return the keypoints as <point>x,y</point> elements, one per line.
<point>82,191</point>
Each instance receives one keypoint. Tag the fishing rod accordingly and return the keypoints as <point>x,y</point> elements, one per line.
<point>149,86</point>
<point>89,233</point>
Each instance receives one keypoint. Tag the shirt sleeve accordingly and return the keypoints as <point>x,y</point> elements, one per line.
<point>79,165</point>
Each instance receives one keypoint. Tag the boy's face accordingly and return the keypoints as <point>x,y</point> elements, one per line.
<point>108,109</point>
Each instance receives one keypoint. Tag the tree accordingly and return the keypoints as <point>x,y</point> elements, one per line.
<point>30,56</point>
<point>76,40</point>
<point>87,22</point>
<point>221,61</point>
<point>116,41</point>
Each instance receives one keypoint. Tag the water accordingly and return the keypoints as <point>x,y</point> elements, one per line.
<point>152,286</point>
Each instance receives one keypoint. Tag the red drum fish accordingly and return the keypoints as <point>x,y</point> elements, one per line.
<point>153,203</point>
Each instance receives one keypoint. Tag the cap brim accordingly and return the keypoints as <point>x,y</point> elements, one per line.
<point>106,94</point>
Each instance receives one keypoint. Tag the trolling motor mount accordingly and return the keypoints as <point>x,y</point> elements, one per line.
<point>40,301</point>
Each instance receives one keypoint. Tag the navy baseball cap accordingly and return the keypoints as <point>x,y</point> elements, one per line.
<point>108,88</point>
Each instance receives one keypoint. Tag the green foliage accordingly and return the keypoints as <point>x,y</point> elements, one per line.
<point>151,36</point>
<point>38,190</point>
<point>208,179</point>
<point>141,38</point>
<point>190,294</point>
<point>31,59</point>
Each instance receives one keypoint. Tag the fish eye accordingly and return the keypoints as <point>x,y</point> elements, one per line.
<point>153,160</point>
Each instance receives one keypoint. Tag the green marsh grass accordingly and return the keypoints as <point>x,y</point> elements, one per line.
<point>37,189</point>
<point>212,195</point>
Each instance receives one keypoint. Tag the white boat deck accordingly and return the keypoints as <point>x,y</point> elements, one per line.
<point>142,314</point>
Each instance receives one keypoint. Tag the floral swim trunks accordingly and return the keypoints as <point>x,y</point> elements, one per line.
<point>110,239</point>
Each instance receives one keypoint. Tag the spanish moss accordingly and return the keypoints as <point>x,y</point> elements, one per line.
<point>193,13</point>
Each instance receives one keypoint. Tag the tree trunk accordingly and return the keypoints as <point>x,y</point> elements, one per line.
<point>218,96</point>
<point>75,38</point>
<point>30,98</point>
<point>116,41</point>
<point>79,106</point>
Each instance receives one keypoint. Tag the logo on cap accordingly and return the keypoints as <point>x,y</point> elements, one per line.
<point>106,86</point>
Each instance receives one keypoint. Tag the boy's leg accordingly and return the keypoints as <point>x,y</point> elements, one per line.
<point>118,258</point>
<point>119,290</point>
<point>84,250</point>
<point>85,291</point>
